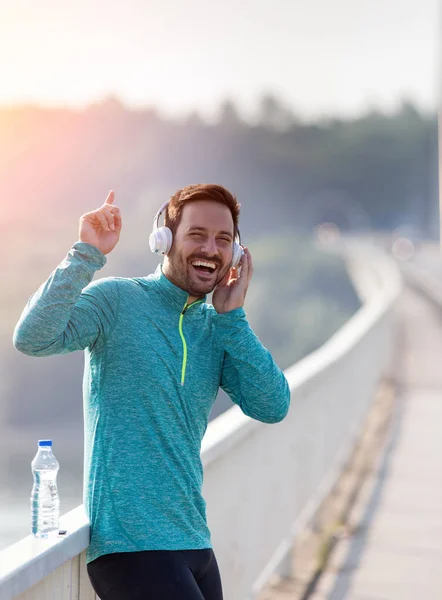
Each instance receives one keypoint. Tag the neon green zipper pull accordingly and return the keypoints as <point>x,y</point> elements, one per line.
<point>183,339</point>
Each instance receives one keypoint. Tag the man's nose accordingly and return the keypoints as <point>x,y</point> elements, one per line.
<point>209,246</point>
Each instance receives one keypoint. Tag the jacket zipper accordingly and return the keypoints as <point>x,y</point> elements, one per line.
<point>183,339</point>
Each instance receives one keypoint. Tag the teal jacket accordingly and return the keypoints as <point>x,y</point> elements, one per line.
<point>153,366</point>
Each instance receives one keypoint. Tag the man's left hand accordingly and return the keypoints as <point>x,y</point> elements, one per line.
<point>231,291</point>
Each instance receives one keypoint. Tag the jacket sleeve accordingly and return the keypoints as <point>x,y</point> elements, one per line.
<point>68,312</point>
<point>249,374</point>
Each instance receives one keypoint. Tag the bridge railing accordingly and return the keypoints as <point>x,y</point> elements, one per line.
<point>263,483</point>
<point>423,282</point>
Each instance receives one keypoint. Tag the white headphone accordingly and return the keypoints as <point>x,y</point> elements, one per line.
<point>160,240</point>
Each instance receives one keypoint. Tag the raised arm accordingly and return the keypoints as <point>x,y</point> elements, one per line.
<point>68,312</point>
<point>249,374</point>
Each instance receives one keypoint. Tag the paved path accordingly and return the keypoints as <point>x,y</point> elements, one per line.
<point>396,552</point>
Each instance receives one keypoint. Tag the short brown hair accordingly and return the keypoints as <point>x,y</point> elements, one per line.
<point>200,191</point>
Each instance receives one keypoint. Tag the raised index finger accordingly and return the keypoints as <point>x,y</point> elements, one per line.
<point>110,197</point>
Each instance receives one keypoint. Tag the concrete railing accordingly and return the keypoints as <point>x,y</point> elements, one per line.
<point>423,282</point>
<point>263,483</point>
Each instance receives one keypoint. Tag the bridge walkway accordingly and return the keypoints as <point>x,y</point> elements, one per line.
<point>396,550</point>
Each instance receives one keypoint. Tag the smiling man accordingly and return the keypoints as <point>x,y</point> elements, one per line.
<point>204,224</point>
<point>155,356</point>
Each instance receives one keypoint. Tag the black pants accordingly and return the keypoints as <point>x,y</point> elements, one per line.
<point>156,575</point>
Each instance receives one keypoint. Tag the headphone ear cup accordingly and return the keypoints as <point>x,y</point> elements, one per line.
<point>237,255</point>
<point>160,240</point>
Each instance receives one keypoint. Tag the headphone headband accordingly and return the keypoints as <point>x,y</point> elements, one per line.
<point>159,213</point>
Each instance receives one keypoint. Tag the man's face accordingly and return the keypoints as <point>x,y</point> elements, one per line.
<point>205,234</point>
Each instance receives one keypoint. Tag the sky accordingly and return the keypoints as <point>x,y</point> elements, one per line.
<point>320,57</point>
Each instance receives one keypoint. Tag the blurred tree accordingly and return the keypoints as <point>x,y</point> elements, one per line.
<point>229,117</point>
<point>274,114</point>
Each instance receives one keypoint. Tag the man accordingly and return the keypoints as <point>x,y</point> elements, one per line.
<point>156,355</point>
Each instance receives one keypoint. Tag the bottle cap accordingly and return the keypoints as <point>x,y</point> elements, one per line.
<point>45,442</point>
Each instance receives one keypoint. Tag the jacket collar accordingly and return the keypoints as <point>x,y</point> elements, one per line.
<point>173,295</point>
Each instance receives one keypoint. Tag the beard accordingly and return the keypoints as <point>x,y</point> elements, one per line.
<point>181,272</point>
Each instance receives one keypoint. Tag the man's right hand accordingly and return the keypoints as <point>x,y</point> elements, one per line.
<point>101,228</point>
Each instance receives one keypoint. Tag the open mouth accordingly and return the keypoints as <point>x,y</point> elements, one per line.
<point>204,268</point>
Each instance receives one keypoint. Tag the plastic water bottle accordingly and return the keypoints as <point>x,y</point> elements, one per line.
<point>45,503</point>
